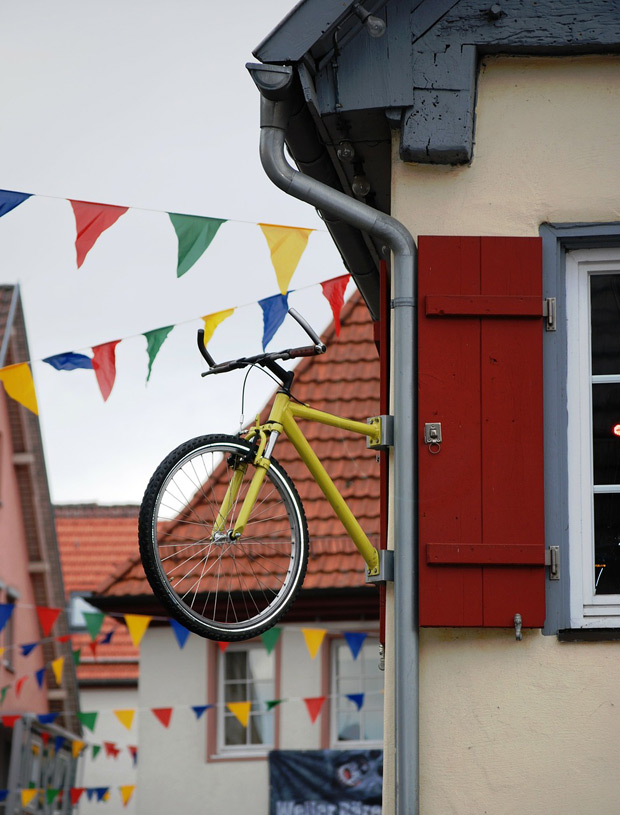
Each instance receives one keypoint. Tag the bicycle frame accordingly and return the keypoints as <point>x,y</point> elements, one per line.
<point>282,417</point>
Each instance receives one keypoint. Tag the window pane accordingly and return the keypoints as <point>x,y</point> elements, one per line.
<point>236,665</point>
<point>605,305</point>
<point>234,731</point>
<point>373,725</point>
<point>607,543</point>
<point>606,424</point>
<point>353,677</point>
<point>248,676</point>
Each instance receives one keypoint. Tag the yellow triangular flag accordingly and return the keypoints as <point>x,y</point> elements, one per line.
<point>286,244</point>
<point>28,796</point>
<point>241,711</point>
<point>213,320</point>
<point>57,666</point>
<point>2,650</point>
<point>19,385</point>
<point>127,792</point>
<point>125,717</point>
<point>314,638</point>
<point>137,625</point>
<point>77,747</point>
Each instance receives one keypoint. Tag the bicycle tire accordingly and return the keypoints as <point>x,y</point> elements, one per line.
<point>221,589</point>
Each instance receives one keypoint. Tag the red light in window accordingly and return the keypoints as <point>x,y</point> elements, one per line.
<point>616,430</point>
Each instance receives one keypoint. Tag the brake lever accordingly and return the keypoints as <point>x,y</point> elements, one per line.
<point>203,349</point>
<point>319,346</point>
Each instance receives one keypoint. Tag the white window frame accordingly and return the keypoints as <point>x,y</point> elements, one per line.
<point>369,651</point>
<point>587,610</point>
<point>241,750</point>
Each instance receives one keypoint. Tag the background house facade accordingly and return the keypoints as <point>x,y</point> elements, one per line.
<point>494,130</point>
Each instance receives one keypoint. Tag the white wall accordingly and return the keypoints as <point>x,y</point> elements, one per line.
<point>532,726</point>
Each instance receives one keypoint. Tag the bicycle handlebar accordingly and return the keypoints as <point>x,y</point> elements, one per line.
<point>261,359</point>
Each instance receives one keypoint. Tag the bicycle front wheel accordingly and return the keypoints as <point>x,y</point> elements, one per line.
<point>216,585</point>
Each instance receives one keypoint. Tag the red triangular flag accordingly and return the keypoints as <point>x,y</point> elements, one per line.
<point>91,220</point>
<point>163,714</point>
<point>223,646</point>
<point>111,749</point>
<point>76,794</point>
<point>9,721</point>
<point>93,648</point>
<point>104,365</point>
<point>64,638</point>
<point>47,618</point>
<point>314,705</point>
<point>20,684</point>
<point>334,292</point>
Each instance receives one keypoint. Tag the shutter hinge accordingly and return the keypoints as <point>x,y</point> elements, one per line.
<point>549,311</point>
<point>552,560</point>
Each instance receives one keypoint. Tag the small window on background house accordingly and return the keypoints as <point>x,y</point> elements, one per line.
<point>357,695</point>
<point>593,315</point>
<point>9,632</point>
<point>246,679</point>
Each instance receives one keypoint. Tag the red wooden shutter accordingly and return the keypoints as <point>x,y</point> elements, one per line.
<point>480,376</point>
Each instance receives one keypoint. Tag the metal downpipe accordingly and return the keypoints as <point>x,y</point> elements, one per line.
<point>274,118</point>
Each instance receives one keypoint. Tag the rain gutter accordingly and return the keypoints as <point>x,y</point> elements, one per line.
<point>277,86</point>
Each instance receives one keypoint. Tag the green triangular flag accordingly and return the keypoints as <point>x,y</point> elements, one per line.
<point>194,234</point>
<point>96,748</point>
<point>272,703</point>
<point>88,720</point>
<point>154,341</point>
<point>270,638</point>
<point>3,693</point>
<point>51,795</point>
<point>94,621</point>
<point>75,655</point>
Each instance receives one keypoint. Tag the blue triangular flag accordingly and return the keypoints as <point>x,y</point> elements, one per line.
<point>355,640</point>
<point>3,795</point>
<point>101,791</point>
<point>357,699</point>
<point>27,649</point>
<point>49,718</point>
<point>58,743</point>
<point>274,311</point>
<point>6,609</point>
<point>200,709</point>
<point>90,791</point>
<point>69,361</point>
<point>40,676</point>
<point>9,200</point>
<point>180,632</point>
<point>107,638</point>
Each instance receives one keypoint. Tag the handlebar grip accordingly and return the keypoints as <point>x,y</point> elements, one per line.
<point>203,349</point>
<point>309,351</point>
<point>306,327</point>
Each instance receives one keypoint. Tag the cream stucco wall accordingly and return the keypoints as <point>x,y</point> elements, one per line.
<point>531,726</point>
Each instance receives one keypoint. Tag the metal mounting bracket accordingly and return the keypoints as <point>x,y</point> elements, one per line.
<point>552,560</point>
<point>384,437</point>
<point>549,312</point>
<point>386,568</point>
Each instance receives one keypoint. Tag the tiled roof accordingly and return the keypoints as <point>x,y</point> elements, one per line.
<point>92,540</point>
<point>344,381</point>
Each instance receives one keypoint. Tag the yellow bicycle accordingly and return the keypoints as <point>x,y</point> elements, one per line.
<point>222,530</point>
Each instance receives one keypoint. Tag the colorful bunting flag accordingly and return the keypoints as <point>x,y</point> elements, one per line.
<point>164,714</point>
<point>334,290</point>
<point>19,385</point>
<point>200,709</point>
<point>286,246</point>
<point>96,749</point>
<point>111,749</point>
<point>20,684</point>
<point>77,746</point>
<point>127,791</point>
<point>64,638</point>
<point>9,721</point>
<point>212,321</point>
<point>274,311</point>
<point>241,711</point>
<point>355,640</point>
<point>133,751</point>
<point>102,793</point>
<point>57,667</point>
<point>154,341</point>
<point>47,618</point>
<point>137,625</point>
<point>91,220</point>
<point>4,794</point>
<point>180,632</point>
<point>223,646</point>
<point>10,199</point>
<point>270,638</point>
<point>194,234</point>
<point>76,793</point>
<point>40,677</point>
<point>75,656</point>
<point>357,699</point>
<point>273,703</point>
<point>3,692</point>
<point>69,361</point>
<point>47,718</point>
<point>314,639</point>
<point>89,720</point>
<point>93,648</point>
<point>51,795</point>
<point>28,649</point>
<point>125,717</point>
<point>59,742</point>
<point>107,638</point>
<point>93,621</point>
<point>29,795</point>
<point>314,705</point>
<point>104,365</point>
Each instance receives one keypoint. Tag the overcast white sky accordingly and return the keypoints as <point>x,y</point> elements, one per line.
<point>145,104</point>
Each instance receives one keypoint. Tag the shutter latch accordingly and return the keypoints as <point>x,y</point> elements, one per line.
<point>549,311</point>
<point>552,560</point>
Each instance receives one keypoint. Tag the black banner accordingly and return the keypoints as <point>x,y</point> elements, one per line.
<point>325,782</point>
